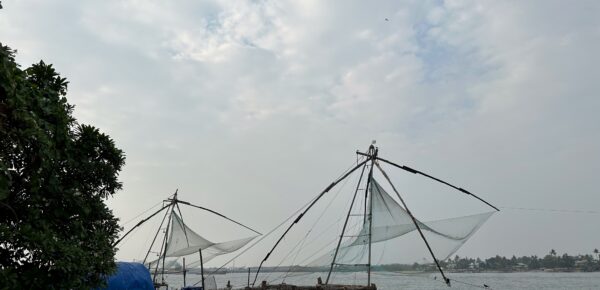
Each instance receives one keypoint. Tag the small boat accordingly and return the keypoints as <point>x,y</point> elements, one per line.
<point>383,217</point>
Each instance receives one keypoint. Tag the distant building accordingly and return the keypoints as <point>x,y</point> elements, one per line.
<point>581,263</point>
<point>520,267</point>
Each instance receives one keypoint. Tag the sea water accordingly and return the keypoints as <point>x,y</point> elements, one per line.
<point>392,280</point>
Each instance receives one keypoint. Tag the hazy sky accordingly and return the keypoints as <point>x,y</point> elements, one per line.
<point>253,107</point>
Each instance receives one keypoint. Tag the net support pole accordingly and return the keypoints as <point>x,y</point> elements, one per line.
<point>414,171</point>
<point>184,272</point>
<point>139,224</point>
<point>345,223</point>
<point>166,243</point>
<point>218,214</point>
<point>163,247</point>
<point>201,268</point>
<point>373,151</point>
<point>154,240</point>
<point>437,263</point>
<point>327,189</point>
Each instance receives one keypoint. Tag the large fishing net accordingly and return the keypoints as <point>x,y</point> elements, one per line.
<point>391,221</point>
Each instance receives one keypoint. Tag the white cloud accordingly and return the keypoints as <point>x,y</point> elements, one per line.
<point>265,101</point>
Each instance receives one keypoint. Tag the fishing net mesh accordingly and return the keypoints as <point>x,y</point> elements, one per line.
<point>183,242</point>
<point>391,221</point>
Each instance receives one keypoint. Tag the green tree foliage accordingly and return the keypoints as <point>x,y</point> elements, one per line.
<point>55,229</point>
<point>552,262</point>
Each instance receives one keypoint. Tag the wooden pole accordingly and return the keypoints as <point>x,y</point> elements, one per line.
<point>164,256</point>
<point>184,272</point>
<point>414,171</point>
<point>248,276</point>
<point>162,247</point>
<point>154,240</point>
<point>201,268</point>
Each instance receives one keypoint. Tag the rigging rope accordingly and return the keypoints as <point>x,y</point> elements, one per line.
<point>328,244</point>
<point>263,237</point>
<point>316,222</point>
<point>301,242</point>
<point>329,187</point>
<point>552,210</point>
<point>484,286</point>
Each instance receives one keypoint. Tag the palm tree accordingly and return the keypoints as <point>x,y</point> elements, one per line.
<point>597,255</point>
<point>552,252</point>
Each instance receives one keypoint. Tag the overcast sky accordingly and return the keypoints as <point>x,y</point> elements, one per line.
<point>252,107</point>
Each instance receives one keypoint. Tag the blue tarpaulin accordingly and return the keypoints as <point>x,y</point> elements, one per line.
<point>130,276</point>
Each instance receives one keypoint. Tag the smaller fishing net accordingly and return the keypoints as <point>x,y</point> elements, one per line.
<point>184,242</point>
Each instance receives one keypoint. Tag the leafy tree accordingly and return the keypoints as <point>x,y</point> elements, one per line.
<point>55,229</point>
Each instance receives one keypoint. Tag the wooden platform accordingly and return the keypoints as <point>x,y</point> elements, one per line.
<point>319,286</point>
<point>316,287</point>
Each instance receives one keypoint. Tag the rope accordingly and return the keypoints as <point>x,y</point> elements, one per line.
<point>553,210</point>
<point>484,286</point>
<point>315,224</point>
<point>262,238</point>
<point>307,234</point>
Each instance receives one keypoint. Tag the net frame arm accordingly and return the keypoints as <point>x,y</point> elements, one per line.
<point>218,214</point>
<point>414,171</point>
<point>139,224</point>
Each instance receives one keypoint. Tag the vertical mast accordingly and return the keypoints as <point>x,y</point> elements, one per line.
<point>201,268</point>
<point>163,246</point>
<point>154,240</point>
<point>373,154</point>
<point>173,203</point>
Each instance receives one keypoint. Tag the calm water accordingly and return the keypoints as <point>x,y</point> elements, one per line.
<point>390,281</point>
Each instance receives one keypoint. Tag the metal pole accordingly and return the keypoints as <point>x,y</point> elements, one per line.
<point>184,272</point>
<point>248,277</point>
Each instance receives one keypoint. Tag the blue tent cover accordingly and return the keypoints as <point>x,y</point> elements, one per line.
<point>130,275</point>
